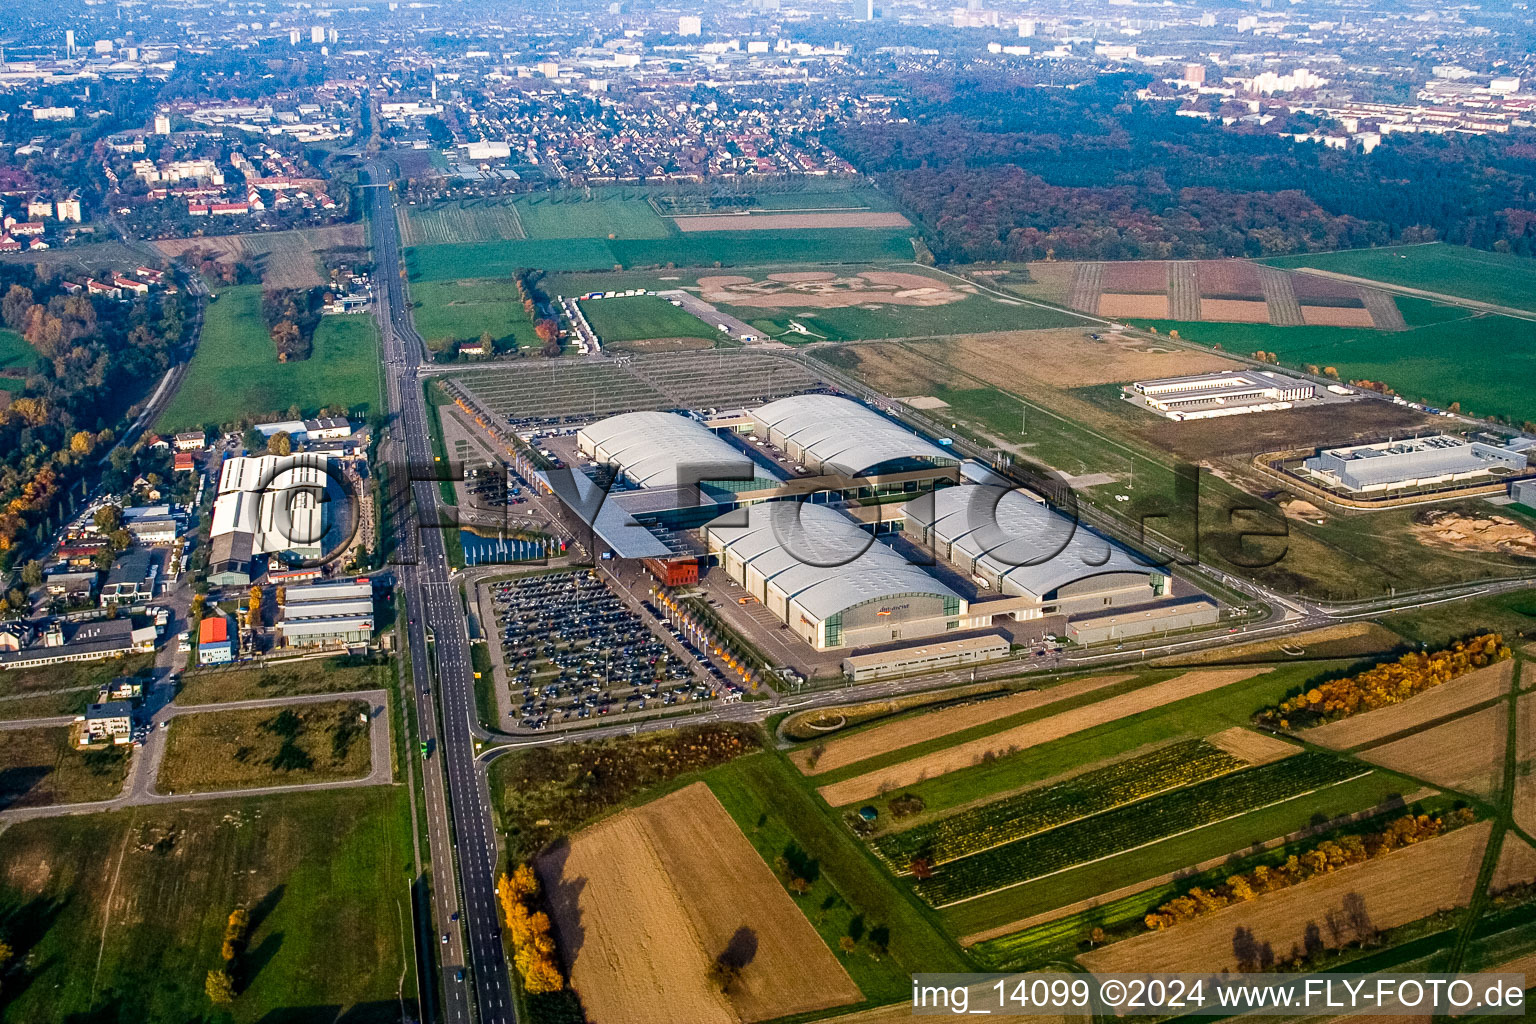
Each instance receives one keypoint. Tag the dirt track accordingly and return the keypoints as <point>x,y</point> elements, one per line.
<point>964,755</point>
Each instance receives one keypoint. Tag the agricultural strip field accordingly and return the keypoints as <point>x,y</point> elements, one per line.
<point>642,317</point>
<point>1497,278</point>
<point>120,916</point>
<point>791,221</point>
<point>1151,869</point>
<point>286,259</point>
<point>235,374</point>
<point>328,675</point>
<point>253,747</point>
<point>1131,826</point>
<point>1391,889</point>
<point>1476,687</point>
<point>920,728</point>
<point>449,311</point>
<point>698,249</point>
<point>683,379</point>
<point>704,891</point>
<point>460,220</point>
<point>1003,821</point>
<point>849,893</point>
<point>41,767</point>
<point>1441,358</point>
<point>1022,737</point>
<point>1465,754</point>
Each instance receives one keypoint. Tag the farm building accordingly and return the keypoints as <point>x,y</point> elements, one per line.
<point>837,436</point>
<point>832,583</point>
<point>1016,545</point>
<point>1414,462</point>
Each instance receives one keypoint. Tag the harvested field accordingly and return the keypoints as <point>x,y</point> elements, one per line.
<point>908,731</point>
<point>1136,278</point>
<point>863,787</point>
<point>1524,806</point>
<point>1250,746</point>
<point>829,291</point>
<point>1465,753</point>
<point>286,259</point>
<point>792,221</point>
<point>1326,291</point>
<point>1451,698</point>
<point>1242,311</point>
<point>1087,283</point>
<point>1337,316</point>
<point>1390,889</point>
<point>1068,358</point>
<point>644,901</point>
<point>1517,864</point>
<point>1140,307</point>
<point>901,1013</point>
<point>1229,279</point>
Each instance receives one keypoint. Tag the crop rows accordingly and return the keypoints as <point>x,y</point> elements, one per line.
<point>1003,821</point>
<point>1132,825</point>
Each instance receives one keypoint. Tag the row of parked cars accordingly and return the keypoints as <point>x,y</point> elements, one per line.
<point>720,680</point>
<point>576,650</point>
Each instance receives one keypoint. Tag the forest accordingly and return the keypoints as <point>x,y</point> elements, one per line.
<point>999,170</point>
<point>95,359</point>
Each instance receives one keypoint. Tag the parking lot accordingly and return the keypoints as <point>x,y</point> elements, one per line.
<point>574,650</point>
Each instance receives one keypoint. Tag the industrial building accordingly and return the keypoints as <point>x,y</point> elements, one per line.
<point>268,505</point>
<point>1524,492</point>
<point>836,436</point>
<point>1015,545</point>
<point>935,657</point>
<point>663,449</point>
<point>1122,623</point>
<point>833,584</point>
<point>1227,393</point>
<point>326,614</point>
<point>1414,463</point>
<point>215,641</point>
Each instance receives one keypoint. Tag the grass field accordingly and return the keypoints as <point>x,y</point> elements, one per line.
<point>66,676</point>
<point>639,317</point>
<point>235,373</point>
<point>253,747</point>
<point>714,248</point>
<point>329,675</point>
<point>118,917</point>
<point>15,354</point>
<point>1442,358</point>
<point>39,767</point>
<point>448,311</point>
<point>1512,614</point>
<point>1499,278</point>
<point>612,213</point>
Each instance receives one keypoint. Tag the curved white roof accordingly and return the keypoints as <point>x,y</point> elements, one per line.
<point>1023,541</point>
<point>819,557</point>
<point>845,436</point>
<point>661,449</point>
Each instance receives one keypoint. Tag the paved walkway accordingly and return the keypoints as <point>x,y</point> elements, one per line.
<point>139,787</point>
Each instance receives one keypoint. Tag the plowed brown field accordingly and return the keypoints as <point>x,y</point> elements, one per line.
<point>1466,753</point>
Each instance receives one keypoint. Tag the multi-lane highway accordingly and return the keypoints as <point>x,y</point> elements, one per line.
<point>461,834</point>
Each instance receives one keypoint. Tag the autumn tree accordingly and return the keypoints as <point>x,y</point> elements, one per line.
<point>220,987</point>
<point>109,518</point>
<point>32,573</point>
<point>280,443</point>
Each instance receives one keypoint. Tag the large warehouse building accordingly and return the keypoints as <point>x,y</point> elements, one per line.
<point>1016,546</point>
<point>268,504</point>
<point>662,449</point>
<point>832,583</point>
<point>1415,462</point>
<point>836,436</point>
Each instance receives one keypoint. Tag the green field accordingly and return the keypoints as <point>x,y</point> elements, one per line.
<point>235,374</point>
<point>248,748</point>
<point>1498,278</point>
<point>326,675</point>
<point>1443,357</point>
<point>461,310</point>
<point>612,213</point>
<point>15,354</point>
<point>639,317</point>
<point>118,917</point>
<point>40,767</point>
<point>701,249</point>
